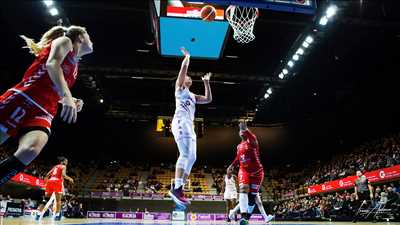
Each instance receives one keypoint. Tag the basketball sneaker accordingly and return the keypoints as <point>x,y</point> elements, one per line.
<point>57,217</point>
<point>269,218</point>
<point>178,196</point>
<point>243,221</point>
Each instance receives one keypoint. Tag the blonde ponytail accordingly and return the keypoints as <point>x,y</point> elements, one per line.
<point>50,35</point>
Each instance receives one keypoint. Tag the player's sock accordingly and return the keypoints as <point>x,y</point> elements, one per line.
<point>9,167</point>
<point>178,183</point>
<point>250,209</point>
<point>236,209</point>
<point>252,204</point>
<point>263,213</point>
<point>243,202</point>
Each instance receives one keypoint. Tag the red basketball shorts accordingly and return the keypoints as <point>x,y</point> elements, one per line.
<point>17,110</point>
<point>54,186</point>
<point>254,180</point>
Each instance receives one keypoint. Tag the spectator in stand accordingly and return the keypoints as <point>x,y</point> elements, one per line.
<point>30,204</point>
<point>363,189</point>
<point>393,198</point>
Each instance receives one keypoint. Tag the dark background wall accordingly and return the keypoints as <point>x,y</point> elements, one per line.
<point>139,142</point>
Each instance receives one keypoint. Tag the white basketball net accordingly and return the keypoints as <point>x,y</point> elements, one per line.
<point>242,20</point>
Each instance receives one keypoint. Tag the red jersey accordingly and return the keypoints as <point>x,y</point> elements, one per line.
<point>36,84</point>
<point>57,173</point>
<point>248,154</point>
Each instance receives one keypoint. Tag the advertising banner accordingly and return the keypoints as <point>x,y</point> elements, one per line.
<point>380,175</point>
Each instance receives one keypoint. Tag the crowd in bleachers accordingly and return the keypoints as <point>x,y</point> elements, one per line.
<point>339,205</point>
<point>71,207</point>
<point>218,178</point>
<point>380,153</point>
<point>290,188</point>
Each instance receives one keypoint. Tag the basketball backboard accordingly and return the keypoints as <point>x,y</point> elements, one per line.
<point>178,24</point>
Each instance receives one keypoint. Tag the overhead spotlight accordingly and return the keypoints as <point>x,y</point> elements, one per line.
<point>266,95</point>
<point>300,51</point>
<point>331,11</point>
<point>48,3</point>
<point>53,11</point>
<point>281,76</point>
<point>285,71</point>
<point>295,57</point>
<point>290,63</point>
<point>101,100</point>
<point>323,21</point>
<point>143,50</point>
<point>305,44</point>
<point>309,39</point>
<point>269,91</point>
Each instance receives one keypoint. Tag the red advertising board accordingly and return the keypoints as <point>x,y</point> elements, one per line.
<point>348,182</point>
<point>28,180</point>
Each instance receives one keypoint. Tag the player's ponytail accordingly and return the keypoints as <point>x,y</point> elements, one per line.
<point>50,35</point>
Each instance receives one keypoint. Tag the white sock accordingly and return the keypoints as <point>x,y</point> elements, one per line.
<point>262,211</point>
<point>236,209</point>
<point>178,182</point>
<point>243,202</point>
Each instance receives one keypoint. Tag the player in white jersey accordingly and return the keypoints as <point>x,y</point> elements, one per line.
<point>230,192</point>
<point>183,128</point>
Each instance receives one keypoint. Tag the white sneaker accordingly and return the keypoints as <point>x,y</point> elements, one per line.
<point>232,214</point>
<point>269,218</point>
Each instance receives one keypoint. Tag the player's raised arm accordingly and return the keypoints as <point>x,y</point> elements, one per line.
<point>184,68</point>
<point>207,97</point>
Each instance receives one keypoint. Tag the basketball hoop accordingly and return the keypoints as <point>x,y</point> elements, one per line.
<point>242,20</point>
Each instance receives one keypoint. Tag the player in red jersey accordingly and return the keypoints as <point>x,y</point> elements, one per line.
<point>55,184</point>
<point>251,172</point>
<point>27,109</point>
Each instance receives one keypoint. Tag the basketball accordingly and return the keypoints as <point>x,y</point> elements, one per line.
<point>208,13</point>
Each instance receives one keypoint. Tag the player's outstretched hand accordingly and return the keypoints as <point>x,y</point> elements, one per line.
<point>207,76</point>
<point>185,52</point>
<point>68,112</point>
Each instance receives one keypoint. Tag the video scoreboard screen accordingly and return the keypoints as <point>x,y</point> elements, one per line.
<point>292,6</point>
<point>189,9</point>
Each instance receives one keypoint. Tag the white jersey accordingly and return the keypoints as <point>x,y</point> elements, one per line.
<point>185,104</point>
<point>230,184</point>
<point>230,188</point>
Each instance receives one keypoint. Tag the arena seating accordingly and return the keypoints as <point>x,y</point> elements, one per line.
<point>279,184</point>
